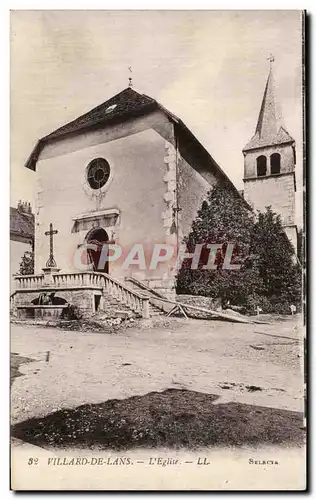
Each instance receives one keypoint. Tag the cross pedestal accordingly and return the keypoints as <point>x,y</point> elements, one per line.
<point>48,275</point>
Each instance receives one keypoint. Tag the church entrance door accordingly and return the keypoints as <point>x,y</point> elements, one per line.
<point>98,237</point>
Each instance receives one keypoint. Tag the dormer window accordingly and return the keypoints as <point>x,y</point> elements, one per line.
<point>110,108</point>
<point>261,166</point>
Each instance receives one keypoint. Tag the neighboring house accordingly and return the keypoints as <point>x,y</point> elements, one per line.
<point>21,236</point>
<point>129,172</point>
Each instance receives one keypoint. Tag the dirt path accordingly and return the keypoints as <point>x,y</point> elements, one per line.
<point>229,360</point>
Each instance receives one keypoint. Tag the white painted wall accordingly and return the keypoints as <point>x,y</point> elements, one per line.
<point>136,189</point>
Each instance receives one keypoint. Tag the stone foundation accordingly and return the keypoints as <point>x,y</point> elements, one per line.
<point>43,313</point>
<point>199,301</point>
<point>83,298</point>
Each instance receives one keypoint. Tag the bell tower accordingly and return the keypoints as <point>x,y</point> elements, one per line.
<point>269,163</point>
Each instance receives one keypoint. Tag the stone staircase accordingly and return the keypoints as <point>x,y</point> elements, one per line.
<point>118,298</point>
<point>153,310</point>
<point>114,308</point>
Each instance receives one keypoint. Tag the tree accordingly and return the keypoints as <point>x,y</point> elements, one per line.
<point>300,246</point>
<point>27,263</point>
<point>279,272</point>
<point>269,276</point>
<point>223,218</point>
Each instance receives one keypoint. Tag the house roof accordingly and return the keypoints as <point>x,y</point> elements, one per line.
<point>270,129</point>
<point>124,105</point>
<point>21,224</point>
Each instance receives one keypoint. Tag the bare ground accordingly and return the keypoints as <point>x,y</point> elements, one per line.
<point>234,374</point>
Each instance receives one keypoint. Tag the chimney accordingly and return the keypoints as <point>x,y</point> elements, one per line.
<point>24,207</point>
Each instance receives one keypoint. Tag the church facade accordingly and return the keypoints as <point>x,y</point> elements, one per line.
<point>127,172</point>
<point>269,164</point>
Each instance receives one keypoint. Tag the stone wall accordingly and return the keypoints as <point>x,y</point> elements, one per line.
<point>83,298</point>
<point>193,189</point>
<point>291,232</point>
<point>277,191</point>
<point>199,301</point>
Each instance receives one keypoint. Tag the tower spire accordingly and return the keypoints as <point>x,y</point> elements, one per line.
<point>270,129</point>
<point>269,120</point>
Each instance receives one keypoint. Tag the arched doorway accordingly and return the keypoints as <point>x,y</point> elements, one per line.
<point>97,237</point>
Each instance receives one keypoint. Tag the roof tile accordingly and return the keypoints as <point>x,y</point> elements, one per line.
<point>125,102</point>
<point>21,224</point>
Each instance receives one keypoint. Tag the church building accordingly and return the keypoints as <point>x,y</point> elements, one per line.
<point>130,173</point>
<point>127,172</point>
<point>269,164</point>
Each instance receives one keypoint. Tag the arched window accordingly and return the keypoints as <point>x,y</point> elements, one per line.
<point>261,166</point>
<point>275,162</point>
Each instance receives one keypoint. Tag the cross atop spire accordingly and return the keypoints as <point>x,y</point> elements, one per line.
<point>130,80</point>
<point>271,59</point>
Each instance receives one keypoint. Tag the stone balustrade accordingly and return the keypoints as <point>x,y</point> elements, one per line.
<point>120,291</point>
<point>29,281</point>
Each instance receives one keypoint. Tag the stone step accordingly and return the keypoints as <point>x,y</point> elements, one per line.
<point>112,304</point>
<point>115,308</point>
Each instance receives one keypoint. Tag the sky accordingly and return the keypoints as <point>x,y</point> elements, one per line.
<point>207,67</point>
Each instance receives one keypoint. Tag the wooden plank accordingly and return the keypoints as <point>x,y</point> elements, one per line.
<point>172,310</point>
<point>218,314</point>
<point>183,311</point>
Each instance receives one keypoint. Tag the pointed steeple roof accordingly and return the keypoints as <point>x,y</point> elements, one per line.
<point>270,129</point>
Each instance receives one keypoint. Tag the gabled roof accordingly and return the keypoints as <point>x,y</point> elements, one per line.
<point>21,224</point>
<point>270,129</point>
<point>126,102</point>
<point>121,107</point>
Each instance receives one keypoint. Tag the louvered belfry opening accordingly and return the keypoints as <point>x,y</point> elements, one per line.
<point>261,166</point>
<point>275,163</point>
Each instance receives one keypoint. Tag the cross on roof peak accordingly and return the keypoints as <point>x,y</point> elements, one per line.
<point>271,59</point>
<point>130,80</point>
